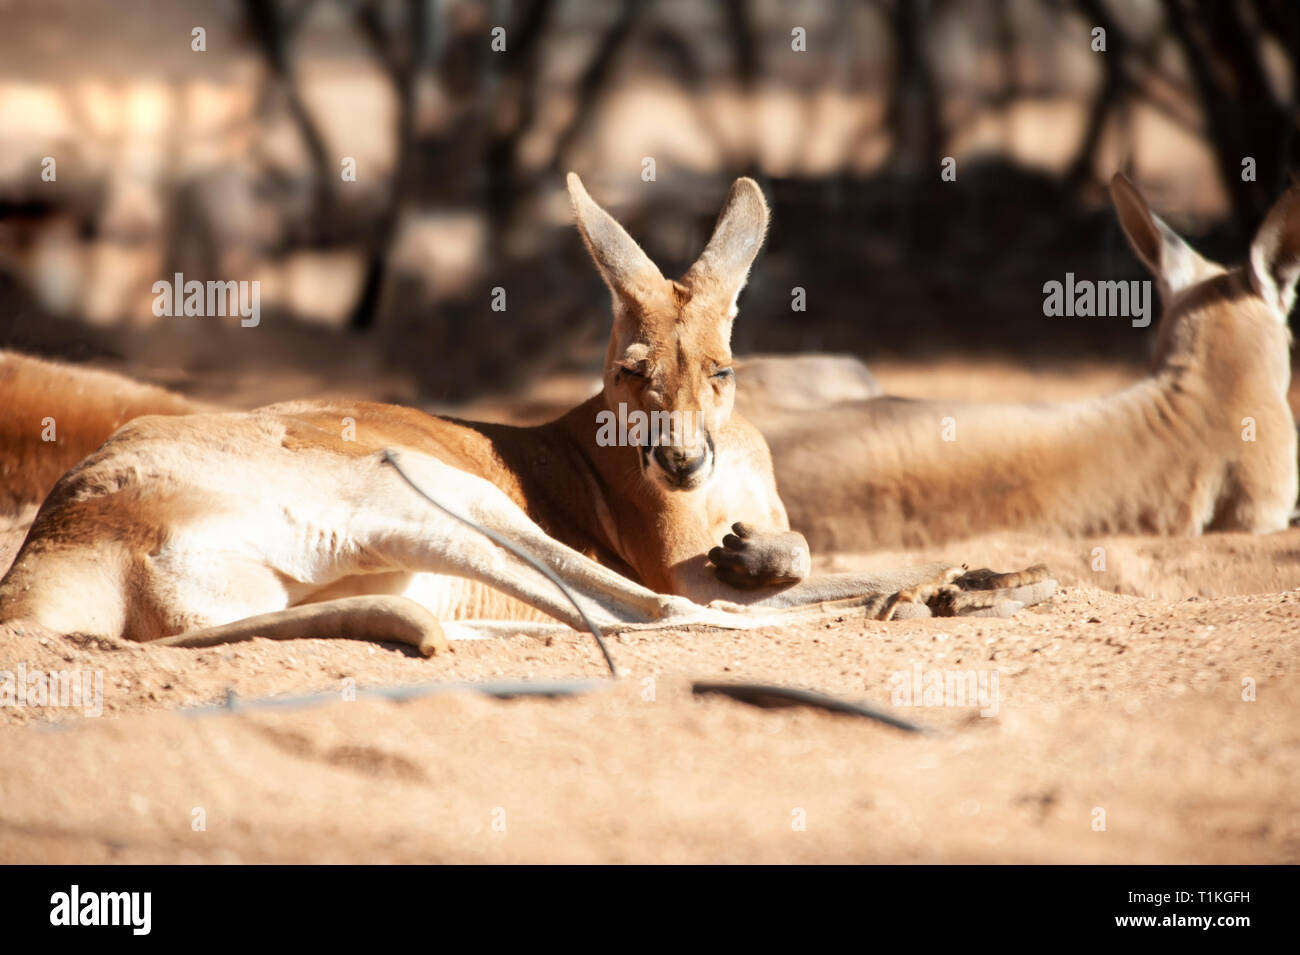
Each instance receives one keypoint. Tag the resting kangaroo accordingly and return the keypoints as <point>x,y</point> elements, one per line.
<point>1206,441</point>
<point>282,522</point>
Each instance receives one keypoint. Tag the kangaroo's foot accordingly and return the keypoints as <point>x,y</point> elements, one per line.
<point>750,558</point>
<point>972,593</point>
<point>985,579</point>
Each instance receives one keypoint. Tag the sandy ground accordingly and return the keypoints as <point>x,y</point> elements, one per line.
<point>1148,713</point>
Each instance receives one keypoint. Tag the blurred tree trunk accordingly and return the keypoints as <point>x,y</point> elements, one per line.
<point>594,81</point>
<point>272,25</point>
<point>1244,116</point>
<point>512,114</point>
<point>747,67</point>
<point>1109,98</point>
<point>913,117</point>
<point>403,51</point>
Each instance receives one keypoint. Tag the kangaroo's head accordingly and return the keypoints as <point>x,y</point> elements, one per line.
<point>668,371</point>
<point>1230,323</point>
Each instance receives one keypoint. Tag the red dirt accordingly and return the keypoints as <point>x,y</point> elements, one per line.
<point>1127,702</point>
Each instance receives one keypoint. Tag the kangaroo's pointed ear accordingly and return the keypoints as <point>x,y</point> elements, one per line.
<point>627,270</point>
<point>1174,263</point>
<point>722,268</point>
<point>1275,253</point>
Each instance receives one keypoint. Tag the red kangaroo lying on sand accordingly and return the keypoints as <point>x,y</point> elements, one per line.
<point>217,526</point>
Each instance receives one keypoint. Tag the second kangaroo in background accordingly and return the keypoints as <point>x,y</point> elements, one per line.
<point>1205,442</point>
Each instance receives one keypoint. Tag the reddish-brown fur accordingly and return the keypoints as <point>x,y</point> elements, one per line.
<point>86,406</point>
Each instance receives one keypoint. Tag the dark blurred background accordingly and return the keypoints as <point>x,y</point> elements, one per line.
<point>226,164</point>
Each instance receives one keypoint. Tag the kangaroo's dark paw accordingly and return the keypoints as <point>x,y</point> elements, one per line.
<point>750,558</point>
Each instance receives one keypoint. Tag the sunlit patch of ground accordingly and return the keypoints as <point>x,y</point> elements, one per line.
<point>1154,724</point>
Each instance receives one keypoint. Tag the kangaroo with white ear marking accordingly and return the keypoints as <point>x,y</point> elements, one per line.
<point>285,523</point>
<point>1206,441</point>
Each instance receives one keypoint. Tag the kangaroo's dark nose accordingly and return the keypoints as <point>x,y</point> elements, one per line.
<point>680,464</point>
